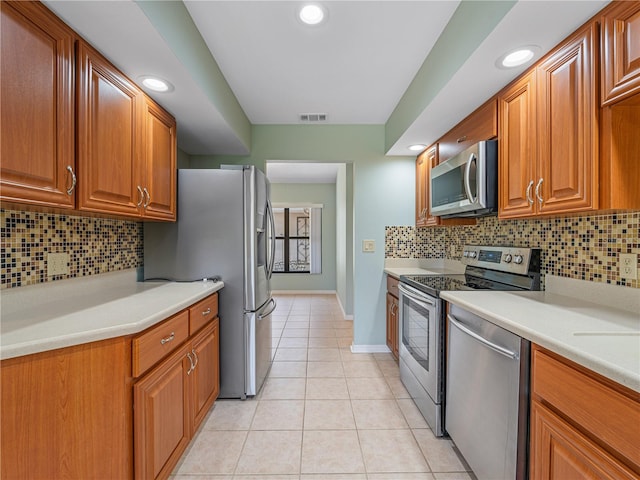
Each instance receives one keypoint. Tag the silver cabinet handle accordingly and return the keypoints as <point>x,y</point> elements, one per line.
<point>192,367</point>
<point>528,193</point>
<point>496,348</point>
<point>146,192</point>
<point>168,339</point>
<point>461,139</point>
<point>73,180</point>
<point>141,195</point>
<point>540,199</point>
<point>195,356</point>
<point>206,312</point>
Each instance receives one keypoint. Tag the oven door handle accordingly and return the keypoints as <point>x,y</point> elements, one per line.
<point>415,296</point>
<point>496,348</point>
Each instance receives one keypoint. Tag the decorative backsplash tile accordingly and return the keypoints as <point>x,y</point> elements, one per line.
<point>94,245</point>
<point>584,247</point>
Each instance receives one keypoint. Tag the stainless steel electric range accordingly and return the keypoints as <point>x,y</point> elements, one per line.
<point>422,317</point>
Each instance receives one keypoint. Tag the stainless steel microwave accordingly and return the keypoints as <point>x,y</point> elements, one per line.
<point>467,185</point>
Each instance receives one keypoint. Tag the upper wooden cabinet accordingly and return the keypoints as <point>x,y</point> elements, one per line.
<point>117,150</point>
<point>160,163</point>
<point>517,147</point>
<point>37,114</point>
<point>549,133</point>
<point>482,124</point>
<point>424,162</point>
<point>126,144</point>
<point>110,136</point>
<point>620,51</point>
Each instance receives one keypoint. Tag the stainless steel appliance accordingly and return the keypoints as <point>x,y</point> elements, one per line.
<point>487,396</point>
<point>422,322</point>
<point>224,230</point>
<point>467,184</point>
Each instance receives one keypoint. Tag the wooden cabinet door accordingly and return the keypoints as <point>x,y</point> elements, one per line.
<point>620,51</point>
<point>392,324</point>
<point>422,192</point>
<point>110,160</point>
<point>517,148</point>
<point>162,416</point>
<point>567,114</point>
<point>482,124</point>
<point>205,377</point>
<point>37,114</point>
<point>560,452</point>
<point>159,186</point>
<point>432,161</point>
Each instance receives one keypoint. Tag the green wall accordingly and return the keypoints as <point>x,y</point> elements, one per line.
<point>383,194</point>
<point>319,193</point>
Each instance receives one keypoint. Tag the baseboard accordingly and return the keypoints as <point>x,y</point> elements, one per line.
<point>370,349</point>
<point>344,315</point>
<point>303,292</point>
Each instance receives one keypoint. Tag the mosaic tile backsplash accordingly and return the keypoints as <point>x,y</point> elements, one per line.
<point>584,247</point>
<point>94,245</point>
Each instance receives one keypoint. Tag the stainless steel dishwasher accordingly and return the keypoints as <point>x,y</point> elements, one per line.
<point>487,396</point>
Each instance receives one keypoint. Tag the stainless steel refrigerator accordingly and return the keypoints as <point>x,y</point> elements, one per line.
<point>224,230</point>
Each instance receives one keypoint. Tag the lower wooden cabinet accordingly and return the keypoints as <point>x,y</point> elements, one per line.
<point>113,409</point>
<point>171,400</point>
<point>562,452</point>
<point>582,426</point>
<point>393,316</point>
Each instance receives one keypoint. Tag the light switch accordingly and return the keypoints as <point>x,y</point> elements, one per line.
<point>369,246</point>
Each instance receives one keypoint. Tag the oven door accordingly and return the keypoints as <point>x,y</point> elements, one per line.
<point>420,339</point>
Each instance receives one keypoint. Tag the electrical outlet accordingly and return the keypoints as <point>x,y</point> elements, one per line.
<point>57,264</point>
<point>452,250</point>
<point>369,246</point>
<point>629,266</point>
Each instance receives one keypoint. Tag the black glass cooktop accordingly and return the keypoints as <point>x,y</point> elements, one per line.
<point>434,284</point>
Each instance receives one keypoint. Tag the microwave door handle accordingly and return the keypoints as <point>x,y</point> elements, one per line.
<point>467,178</point>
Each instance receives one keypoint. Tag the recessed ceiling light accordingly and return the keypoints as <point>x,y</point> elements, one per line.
<point>418,147</point>
<point>312,14</point>
<point>517,57</point>
<point>156,84</point>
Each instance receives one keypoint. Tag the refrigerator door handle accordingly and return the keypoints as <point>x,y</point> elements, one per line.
<point>263,315</point>
<point>273,240</point>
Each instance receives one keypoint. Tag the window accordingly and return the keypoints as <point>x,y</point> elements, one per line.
<point>298,240</point>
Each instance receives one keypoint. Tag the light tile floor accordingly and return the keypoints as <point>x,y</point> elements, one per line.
<point>323,413</point>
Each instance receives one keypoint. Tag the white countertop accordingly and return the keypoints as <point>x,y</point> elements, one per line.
<point>71,312</point>
<point>411,266</point>
<point>599,337</point>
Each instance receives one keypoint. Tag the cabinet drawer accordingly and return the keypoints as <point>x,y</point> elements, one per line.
<point>202,313</point>
<point>160,340</point>
<point>482,124</point>
<point>610,414</point>
<point>392,286</point>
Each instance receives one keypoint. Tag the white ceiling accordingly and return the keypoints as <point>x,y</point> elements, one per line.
<point>355,68</point>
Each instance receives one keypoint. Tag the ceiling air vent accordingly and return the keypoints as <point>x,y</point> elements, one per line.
<point>313,117</point>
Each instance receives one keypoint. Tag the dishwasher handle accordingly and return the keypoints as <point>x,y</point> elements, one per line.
<point>496,348</point>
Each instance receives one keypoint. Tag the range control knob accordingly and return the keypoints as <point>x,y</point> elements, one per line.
<point>517,259</point>
<point>473,254</point>
<point>507,258</point>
